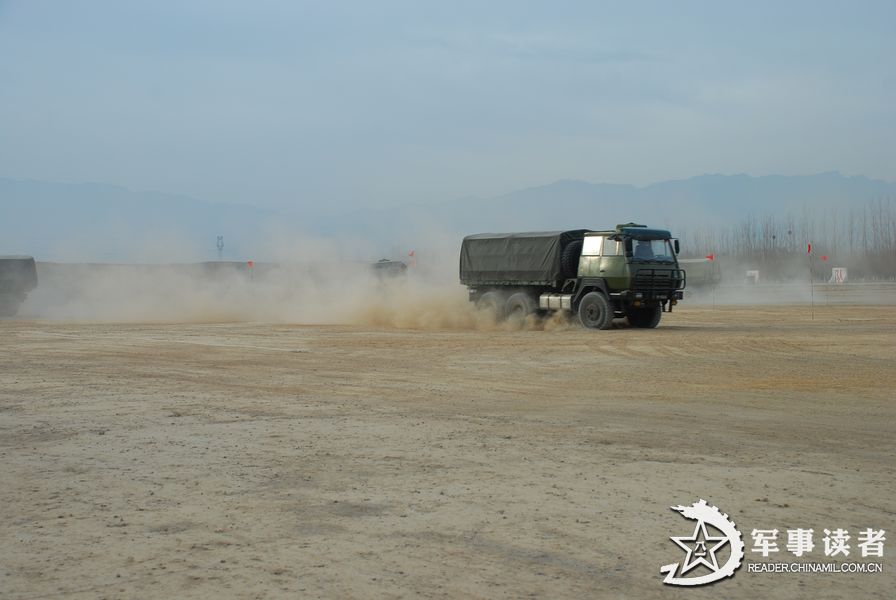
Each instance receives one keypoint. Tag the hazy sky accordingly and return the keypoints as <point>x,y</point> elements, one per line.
<point>335,105</point>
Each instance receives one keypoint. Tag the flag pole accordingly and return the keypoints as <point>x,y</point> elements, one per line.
<point>811,280</point>
<point>712,277</point>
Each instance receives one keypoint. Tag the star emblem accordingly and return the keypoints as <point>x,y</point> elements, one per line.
<point>700,546</point>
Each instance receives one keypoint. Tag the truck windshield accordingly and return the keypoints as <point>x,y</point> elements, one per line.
<point>652,251</point>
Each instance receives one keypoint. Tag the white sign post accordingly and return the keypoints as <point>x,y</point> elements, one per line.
<point>838,275</point>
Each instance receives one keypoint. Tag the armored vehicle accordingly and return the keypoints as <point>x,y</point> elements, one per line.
<point>387,269</point>
<point>702,272</point>
<point>18,276</point>
<point>630,271</point>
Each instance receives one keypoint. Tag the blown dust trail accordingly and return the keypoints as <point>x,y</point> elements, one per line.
<point>301,294</point>
<point>347,293</point>
<point>414,305</point>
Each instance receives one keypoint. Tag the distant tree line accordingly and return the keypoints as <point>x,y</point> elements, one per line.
<point>861,238</point>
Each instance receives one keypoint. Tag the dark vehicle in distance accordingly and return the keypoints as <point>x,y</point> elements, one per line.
<point>702,272</point>
<point>18,276</point>
<point>630,271</point>
<point>385,268</point>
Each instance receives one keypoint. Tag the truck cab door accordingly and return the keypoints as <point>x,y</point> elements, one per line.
<point>589,262</point>
<point>613,267</point>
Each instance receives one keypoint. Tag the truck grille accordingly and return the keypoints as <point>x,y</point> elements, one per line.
<point>659,279</point>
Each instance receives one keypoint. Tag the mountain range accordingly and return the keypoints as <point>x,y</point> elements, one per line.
<point>102,222</point>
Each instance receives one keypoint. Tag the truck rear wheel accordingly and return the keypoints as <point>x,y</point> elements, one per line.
<point>595,311</point>
<point>519,306</point>
<point>493,303</point>
<point>647,317</point>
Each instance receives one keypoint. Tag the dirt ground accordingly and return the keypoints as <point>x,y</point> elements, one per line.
<point>263,461</point>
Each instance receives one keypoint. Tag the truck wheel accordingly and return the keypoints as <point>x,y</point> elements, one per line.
<point>647,317</point>
<point>493,303</point>
<point>595,311</point>
<point>519,306</point>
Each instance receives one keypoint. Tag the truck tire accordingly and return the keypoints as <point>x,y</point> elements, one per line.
<point>519,306</point>
<point>569,259</point>
<point>595,311</point>
<point>647,317</point>
<point>493,303</point>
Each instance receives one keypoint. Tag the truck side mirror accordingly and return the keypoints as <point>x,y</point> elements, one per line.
<point>628,246</point>
<point>676,246</point>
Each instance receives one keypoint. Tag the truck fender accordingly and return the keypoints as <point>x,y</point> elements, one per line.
<point>589,284</point>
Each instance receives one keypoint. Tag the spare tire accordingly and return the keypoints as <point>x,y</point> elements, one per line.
<point>569,259</point>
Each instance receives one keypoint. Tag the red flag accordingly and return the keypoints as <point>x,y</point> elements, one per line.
<point>824,257</point>
<point>410,253</point>
<point>809,249</point>
<point>710,256</point>
<point>250,264</point>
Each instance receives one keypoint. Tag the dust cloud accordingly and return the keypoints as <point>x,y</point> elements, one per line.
<point>796,280</point>
<point>331,291</point>
<point>296,279</point>
<point>348,293</point>
<point>307,281</point>
<point>421,304</point>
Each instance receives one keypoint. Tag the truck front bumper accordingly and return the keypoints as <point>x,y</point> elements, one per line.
<point>640,295</point>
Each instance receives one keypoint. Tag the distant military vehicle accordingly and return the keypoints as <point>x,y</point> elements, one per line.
<point>385,268</point>
<point>630,271</point>
<point>702,272</point>
<point>18,276</point>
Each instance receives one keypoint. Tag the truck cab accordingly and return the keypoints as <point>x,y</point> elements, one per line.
<point>635,268</point>
<point>633,258</point>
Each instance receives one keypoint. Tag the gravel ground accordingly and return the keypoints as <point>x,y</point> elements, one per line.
<point>253,460</point>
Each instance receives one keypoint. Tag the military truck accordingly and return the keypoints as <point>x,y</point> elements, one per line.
<point>389,269</point>
<point>702,272</point>
<point>630,271</point>
<point>18,276</point>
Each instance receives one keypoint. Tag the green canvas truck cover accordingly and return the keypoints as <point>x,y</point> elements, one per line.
<point>531,258</point>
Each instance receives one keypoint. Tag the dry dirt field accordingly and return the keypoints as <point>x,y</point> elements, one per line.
<point>263,461</point>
